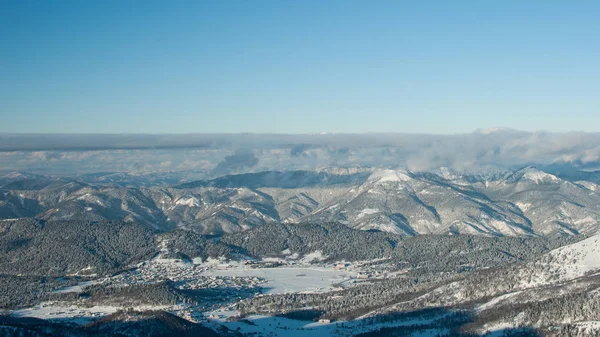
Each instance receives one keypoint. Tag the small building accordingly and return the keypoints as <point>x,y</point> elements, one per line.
<point>363,275</point>
<point>341,265</point>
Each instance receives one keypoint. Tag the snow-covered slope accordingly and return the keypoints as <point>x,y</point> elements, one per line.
<point>525,202</point>
<point>576,260</point>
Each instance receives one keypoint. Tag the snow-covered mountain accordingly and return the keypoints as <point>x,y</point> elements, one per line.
<point>525,202</point>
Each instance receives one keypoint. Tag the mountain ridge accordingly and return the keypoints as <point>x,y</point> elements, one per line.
<point>523,202</point>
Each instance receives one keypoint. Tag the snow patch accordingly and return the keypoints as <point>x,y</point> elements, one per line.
<point>523,206</point>
<point>381,176</point>
<point>538,176</point>
<point>189,201</point>
<point>314,256</point>
<point>367,211</point>
<point>495,301</point>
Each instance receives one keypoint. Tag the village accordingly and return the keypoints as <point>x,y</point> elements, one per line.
<point>222,283</point>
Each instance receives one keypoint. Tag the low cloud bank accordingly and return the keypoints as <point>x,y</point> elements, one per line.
<point>217,154</point>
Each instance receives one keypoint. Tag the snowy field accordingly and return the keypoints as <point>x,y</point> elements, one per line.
<point>76,288</point>
<point>285,327</point>
<point>289,280</point>
<point>72,313</point>
<point>579,258</point>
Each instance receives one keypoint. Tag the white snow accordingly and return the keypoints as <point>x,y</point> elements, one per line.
<point>589,185</point>
<point>285,327</point>
<point>538,176</point>
<point>76,288</point>
<point>54,310</point>
<point>14,175</point>
<point>586,220</point>
<point>427,224</point>
<point>579,258</point>
<point>563,264</point>
<point>314,256</point>
<point>496,300</point>
<point>93,199</point>
<point>389,175</point>
<point>523,206</point>
<point>289,280</point>
<point>389,226</point>
<point>367,211</point>
<point>450,174</point>
<point>189,201</point>
<point>497,329</point>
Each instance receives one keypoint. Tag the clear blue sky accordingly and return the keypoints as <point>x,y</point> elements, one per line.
<point>298,66</point>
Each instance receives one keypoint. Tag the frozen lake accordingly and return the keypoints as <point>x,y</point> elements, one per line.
<point>288,280</point>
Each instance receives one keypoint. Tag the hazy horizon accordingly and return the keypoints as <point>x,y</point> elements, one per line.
<point>218,154</point>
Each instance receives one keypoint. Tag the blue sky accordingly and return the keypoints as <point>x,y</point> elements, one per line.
<point>298,66</point>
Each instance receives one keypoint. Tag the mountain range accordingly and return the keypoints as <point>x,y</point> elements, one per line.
<point>523,202</point>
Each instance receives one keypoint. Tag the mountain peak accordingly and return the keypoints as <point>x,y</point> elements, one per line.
<point>381,176</point>
<point>537,176</point>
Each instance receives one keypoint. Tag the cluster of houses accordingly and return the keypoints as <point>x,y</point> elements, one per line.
<point>187,276</point>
